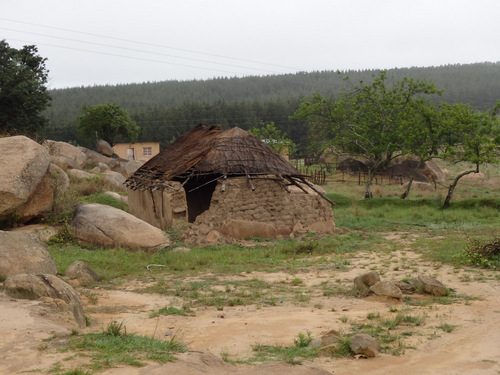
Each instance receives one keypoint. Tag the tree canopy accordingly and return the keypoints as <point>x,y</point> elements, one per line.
<point>366,120</point>
<point>108,122</point>
<point>274,138</point>
<point>23,95</point>
<point>165,110</point>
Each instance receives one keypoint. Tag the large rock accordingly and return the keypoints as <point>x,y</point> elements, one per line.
<point>51,289</point>
<point>386,289</point>
<point>104,148</point>
<point>21,253</point>
<point>106,226</point>
<point>364,344</point>
<point>41,232</point>
<point>80,271</point>
<point>130,167</point>
<point>432,286</point>
<point>365,281</point>
<point>80,175</point>
<point>114,179</point>
<point>56,148</point>
<point>60,179</point>
<point>431,170</point>
<point>23,165</point>
<point>65,163</point>
<point>40,202</point>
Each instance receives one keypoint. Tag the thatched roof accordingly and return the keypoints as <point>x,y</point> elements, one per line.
<point>209,150</point>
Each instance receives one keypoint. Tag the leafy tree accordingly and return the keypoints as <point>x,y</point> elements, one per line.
<point>108,122</point>
<point>422,135</point>
<point>23,95</point>
<point>274,138</point>
<point>365,121</point>
<point>472,137</point>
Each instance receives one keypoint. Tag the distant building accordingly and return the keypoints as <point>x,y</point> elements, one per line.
<point>142,151</point>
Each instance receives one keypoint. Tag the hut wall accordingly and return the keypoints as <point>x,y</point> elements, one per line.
<point>158,208</point>
<point>269,203</point>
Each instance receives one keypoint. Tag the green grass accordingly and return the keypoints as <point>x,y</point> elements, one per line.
<point>115,347</point>
<point>281,255</point>
<point>105,199</point>
<point>171,311</point>
<point>294,354</point>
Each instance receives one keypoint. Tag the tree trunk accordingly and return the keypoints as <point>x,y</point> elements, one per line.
<point>447,200</point>
<point>368,192</point>
<point>408,187</point>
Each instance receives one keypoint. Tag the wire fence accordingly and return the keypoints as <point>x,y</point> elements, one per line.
<point>320,174</point>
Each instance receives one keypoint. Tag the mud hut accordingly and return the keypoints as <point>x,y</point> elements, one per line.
<point>228,181</point>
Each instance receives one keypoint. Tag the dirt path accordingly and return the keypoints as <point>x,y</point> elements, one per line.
<point>473,347</point>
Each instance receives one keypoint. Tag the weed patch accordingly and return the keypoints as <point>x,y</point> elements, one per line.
<point>114,346</point>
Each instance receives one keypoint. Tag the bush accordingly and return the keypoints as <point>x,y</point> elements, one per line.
<point>482,253</point>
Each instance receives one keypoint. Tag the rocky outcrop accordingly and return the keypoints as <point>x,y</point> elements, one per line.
<point>106,226</point>
<point>22,253</point>
<point>93,157</point>
<point>63,149</point>
<point>23,168</point>
<point>100,167</point>
<point>54,292</point>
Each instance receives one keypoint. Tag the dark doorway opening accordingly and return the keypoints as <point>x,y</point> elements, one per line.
<point>199,191</point>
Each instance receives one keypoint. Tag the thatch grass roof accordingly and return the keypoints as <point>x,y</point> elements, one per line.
<point>209,150</point>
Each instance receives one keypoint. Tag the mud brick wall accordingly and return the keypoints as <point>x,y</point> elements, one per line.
<point>268,203</point>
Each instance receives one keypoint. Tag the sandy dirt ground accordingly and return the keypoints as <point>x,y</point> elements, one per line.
<point>473,347</point>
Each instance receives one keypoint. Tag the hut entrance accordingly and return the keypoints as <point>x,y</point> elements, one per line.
<point>199,195</point>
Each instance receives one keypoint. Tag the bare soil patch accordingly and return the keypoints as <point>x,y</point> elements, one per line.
<point>30,341</point>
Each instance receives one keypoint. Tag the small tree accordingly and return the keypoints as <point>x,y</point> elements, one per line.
<point>23,95</point>
<point>107,121</point>
<point>274,138</point>
<point>472,137</point>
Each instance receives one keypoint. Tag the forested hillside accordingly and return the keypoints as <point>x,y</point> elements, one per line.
<point>164,110</point>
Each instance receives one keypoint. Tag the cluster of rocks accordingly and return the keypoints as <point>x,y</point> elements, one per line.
<point>29,272</point>
<point>360,344</point>
<point>370,283</point>
<point>32,177</point>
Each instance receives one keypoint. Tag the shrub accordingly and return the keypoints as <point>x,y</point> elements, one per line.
<point>482,253</point>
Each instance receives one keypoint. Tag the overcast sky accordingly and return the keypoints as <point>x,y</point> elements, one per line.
<point>128,41</point>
